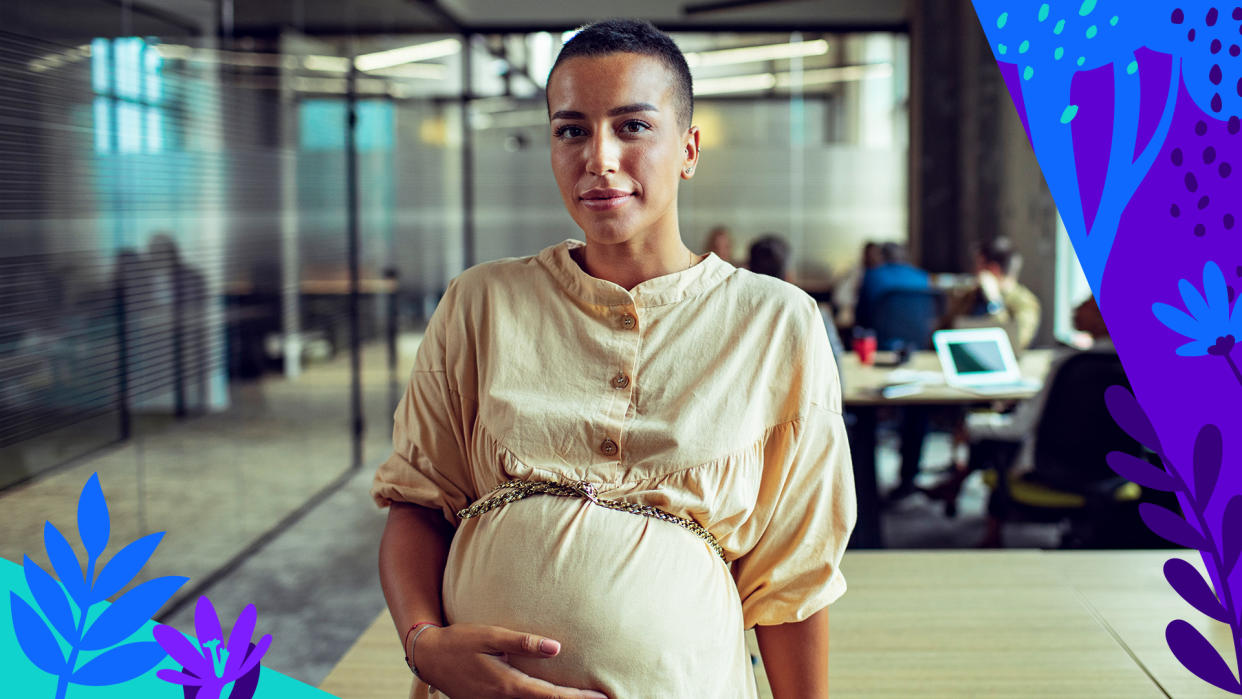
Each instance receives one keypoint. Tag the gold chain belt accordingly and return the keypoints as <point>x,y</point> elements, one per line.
<point>512,491</point>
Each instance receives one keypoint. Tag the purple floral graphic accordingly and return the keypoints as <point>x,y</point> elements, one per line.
<point>1207,321</point>
<point>212,664</point>
<point>1220,552</point>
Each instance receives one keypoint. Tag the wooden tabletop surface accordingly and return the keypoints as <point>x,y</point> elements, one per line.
<point>861,383</point>
<point>957,624</point>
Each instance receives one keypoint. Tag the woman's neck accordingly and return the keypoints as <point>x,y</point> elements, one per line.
<point>629,264</point>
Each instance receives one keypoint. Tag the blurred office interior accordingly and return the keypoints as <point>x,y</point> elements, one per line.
<point>211,287</point>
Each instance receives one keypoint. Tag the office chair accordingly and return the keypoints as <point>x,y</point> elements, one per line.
<point>1070,478</point>
<point>907,317</point>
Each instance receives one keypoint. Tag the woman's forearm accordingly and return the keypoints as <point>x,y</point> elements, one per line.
<point>412,555</point>
<point>795,657</point>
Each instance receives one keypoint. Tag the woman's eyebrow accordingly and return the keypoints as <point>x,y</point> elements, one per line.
<point>631,108</point>
<point>615,111</point>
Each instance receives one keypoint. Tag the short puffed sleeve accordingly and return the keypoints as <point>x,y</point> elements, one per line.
<point>806,507</point>
<point>431,425</point>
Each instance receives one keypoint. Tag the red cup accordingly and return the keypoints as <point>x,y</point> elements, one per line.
<point>865,348</point>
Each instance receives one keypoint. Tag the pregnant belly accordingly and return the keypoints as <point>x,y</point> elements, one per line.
<point>641,607</point>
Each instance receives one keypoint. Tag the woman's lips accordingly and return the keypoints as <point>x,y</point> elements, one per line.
<point>605,201</point>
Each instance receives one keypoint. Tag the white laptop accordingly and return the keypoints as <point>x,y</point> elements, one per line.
<point>980,360</point>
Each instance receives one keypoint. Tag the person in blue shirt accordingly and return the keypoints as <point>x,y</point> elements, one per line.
<point>893,273</point>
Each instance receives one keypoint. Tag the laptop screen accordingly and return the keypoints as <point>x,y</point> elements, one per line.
<point>976,356</point>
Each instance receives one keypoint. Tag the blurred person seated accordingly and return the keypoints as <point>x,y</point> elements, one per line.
<point>892,274</point>
<point>1003,438</point>
<point>769,255</point>
<point>720,241</point>
<point>847,287</point>
<point>996,298</point>
<point>895,274</point>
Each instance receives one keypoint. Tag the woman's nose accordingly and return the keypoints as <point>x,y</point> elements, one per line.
<point>603,154</point>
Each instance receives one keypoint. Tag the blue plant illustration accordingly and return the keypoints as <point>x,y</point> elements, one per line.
<point>1049,44</point>
<point>1189,646</point>
<point>67,605</point>
<point>205,664</point>
<point>1212,328</point>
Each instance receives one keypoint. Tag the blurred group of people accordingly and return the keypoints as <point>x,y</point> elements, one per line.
<point>989,296</point>
<point>993,296</point>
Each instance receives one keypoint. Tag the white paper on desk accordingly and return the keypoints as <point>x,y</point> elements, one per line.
<point>929,378</point>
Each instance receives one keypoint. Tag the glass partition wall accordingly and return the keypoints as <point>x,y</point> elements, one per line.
<point>202,302</point>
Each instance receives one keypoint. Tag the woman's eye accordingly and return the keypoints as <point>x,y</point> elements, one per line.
<point>568,132</point>
<point>633,127</point>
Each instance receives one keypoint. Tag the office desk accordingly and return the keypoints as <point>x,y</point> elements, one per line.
<point>956,624</point>
<point>861,395</point>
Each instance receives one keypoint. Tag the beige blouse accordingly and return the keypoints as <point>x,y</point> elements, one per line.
<point>710,393</point>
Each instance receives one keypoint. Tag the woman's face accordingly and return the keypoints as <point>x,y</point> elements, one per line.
<point>618,150</point>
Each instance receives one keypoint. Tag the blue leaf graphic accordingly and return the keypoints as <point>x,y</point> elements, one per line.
<point>51,599</point>
<point>120,664</point>
<point>1231,539</point>
<point>1199,656</point>
<point>130,612</point>
<point>125,565</point>
<point>1207,463</point>
<point>1135,469</point>
<point>1171,526</point>
<point>35,638</point>
<point>94,526</point>
<point>1130,417</point>
<point>65,562</point>
<point>1183,577</point>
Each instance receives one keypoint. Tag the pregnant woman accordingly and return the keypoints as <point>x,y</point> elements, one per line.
<point>614,456</point>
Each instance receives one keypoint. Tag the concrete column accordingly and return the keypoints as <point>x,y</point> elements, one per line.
<point>973,173</point>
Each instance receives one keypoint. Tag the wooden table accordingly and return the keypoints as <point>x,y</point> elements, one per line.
<point>861,386</point>
<point>861,383</point>
<point>957,624</point>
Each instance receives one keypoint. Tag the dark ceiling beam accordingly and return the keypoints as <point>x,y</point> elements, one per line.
<point>902,27</point>
<point>441,13</point>
<point>189,25</point>
<point>720,5</point>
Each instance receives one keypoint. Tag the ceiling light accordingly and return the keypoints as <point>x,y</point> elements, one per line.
<point>737,83</point>
<point>753,54</point>
<point>326,64</point>
<point>766,81</point>
<point>839,74</point>
<point>407,54</point>
<point>415,71</point>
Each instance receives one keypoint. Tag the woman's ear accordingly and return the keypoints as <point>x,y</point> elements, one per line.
<point>690,159</point>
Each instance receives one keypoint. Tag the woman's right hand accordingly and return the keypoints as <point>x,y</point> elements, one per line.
<point>471,660</point>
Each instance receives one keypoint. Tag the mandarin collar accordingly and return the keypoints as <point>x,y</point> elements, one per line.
<point>659,291</point>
